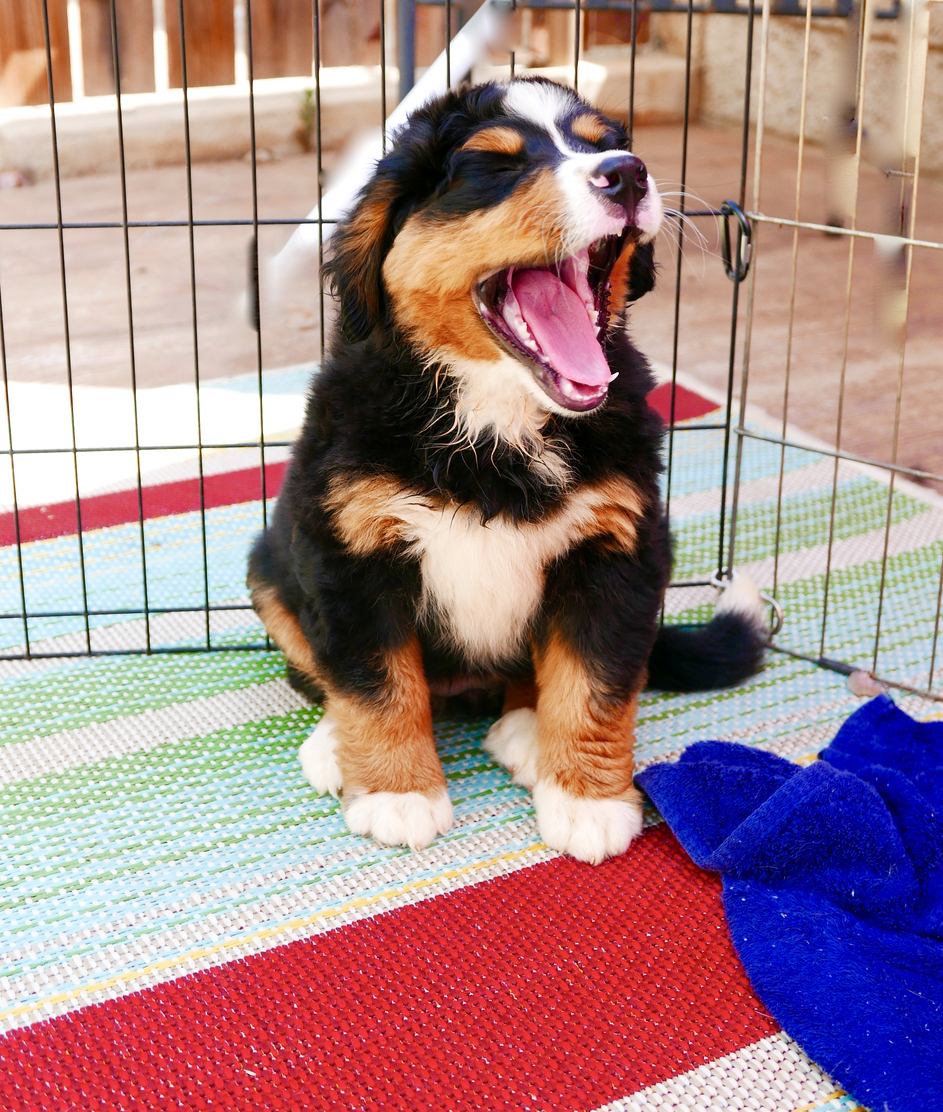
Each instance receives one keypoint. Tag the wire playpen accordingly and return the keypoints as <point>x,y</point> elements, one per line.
<point>120,530</point>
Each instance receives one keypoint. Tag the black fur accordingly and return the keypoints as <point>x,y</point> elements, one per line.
<point>642,273</point>
<point>372,410</point>
<point>726,651</point>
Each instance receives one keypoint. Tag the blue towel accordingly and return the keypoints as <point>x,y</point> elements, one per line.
<point>833,889</point>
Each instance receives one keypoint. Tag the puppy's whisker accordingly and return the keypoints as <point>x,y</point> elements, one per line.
<point>690,230</point>
<point>690,199</point>
<point>672,234</point>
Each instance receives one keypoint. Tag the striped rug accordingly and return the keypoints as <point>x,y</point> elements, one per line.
<point>185,924</point>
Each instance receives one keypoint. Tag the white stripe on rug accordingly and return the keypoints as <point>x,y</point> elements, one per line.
<point>175,628</point>
<point>906,536</point>
<point>798,480</point>
<point>25,760</point>
<point>772,1075</point>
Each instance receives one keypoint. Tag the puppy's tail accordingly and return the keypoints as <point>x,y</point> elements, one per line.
<point>725,651</point>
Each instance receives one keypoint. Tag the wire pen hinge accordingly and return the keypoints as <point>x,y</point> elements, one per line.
<point>736,264</point>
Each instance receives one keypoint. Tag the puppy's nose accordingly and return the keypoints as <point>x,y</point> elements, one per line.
<point>621,178</point>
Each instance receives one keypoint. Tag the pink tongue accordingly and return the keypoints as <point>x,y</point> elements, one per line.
<point>560,325</point>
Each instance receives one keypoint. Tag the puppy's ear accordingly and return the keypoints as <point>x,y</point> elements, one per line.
<point>405,178</point>
<point>641,271</point>
<point>359,246</point>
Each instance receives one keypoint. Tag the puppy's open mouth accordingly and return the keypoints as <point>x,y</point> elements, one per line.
<point>554,320</point>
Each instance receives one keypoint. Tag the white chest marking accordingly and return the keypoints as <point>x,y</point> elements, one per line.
<point>486,582</point>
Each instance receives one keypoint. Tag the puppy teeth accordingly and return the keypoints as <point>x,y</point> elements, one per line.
<point>515,320</point>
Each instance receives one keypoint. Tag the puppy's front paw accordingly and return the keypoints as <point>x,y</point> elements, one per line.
<point>400,818</point>
<point>512,741</point>
<point>319,760</point>
<point>588,829</point>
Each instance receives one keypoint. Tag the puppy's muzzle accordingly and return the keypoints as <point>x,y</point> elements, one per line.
<point>623,180</point>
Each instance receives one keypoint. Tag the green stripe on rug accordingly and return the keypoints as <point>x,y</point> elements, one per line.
<point>860,507</point>
<point>71,696</point>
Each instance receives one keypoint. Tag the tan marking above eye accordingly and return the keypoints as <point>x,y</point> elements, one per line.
<point>501,140</point>
<point>589,127</point>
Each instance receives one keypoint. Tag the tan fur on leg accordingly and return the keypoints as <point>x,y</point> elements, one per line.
<point>517,695</point>
<point>394,787</point>
<point>282,626</point>
<point>386,743</point>
<point>585,802</point>
<point>586,738</point>
<point>379,752</point>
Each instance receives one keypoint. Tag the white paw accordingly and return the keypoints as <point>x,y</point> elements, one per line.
<point>512,741</point>
<point>588,829</point>
<point>319,760</point>
<point>741,596</point>
<point>400,818</point>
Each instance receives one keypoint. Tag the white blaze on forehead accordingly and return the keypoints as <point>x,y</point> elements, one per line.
<point>542,105</point>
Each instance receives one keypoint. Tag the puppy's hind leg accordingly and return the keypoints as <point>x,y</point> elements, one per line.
<point>512,740</point>
<point>285,630</point>
<point>317,754</point>
<point>374,747</point>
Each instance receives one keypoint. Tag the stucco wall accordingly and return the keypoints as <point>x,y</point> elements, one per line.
<point>719,48</point>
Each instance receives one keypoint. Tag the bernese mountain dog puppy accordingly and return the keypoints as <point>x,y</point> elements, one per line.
<point>474,499</point>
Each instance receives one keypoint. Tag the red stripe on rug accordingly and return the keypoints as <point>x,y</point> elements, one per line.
<point>560,987</point>
<point>120,508</point>
<point>688,404</point>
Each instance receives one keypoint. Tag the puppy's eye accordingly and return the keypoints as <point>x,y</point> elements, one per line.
<point>491,163</point>
<point>506,165</point>
<point>610,141</point>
